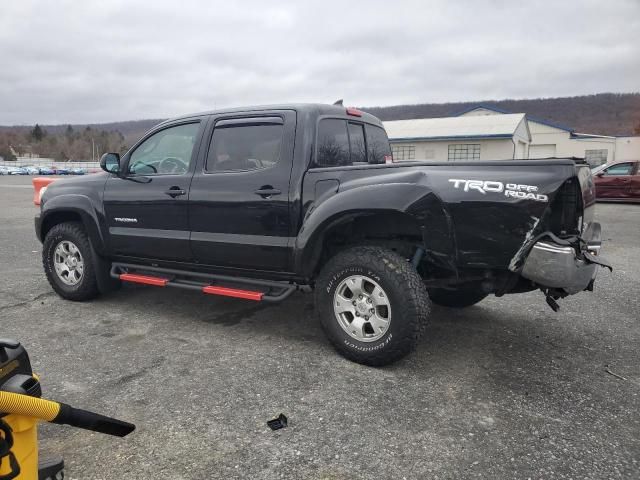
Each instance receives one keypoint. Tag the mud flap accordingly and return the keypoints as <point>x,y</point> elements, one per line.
<point>102,268</point>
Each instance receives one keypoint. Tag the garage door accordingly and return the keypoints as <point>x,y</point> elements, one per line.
<point>542,151</point>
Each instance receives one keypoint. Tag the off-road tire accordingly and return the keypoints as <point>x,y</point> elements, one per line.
<point>460,298</point>
<point>87,287</point>
<point>407,297</point>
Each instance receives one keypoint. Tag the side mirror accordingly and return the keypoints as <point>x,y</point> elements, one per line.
<point>600,174</point>
<point>110,162</point>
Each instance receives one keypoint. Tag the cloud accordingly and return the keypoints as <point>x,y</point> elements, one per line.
<point>72,61</point>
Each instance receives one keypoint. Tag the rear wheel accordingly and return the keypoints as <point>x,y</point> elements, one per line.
<point>459,298</point>
<point>67,258</point>
<point>371,304</point>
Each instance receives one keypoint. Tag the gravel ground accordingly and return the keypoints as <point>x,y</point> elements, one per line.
<point>504,389</point>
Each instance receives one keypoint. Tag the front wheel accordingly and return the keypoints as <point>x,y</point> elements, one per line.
<point>372,305</point>
<point>67,258</point>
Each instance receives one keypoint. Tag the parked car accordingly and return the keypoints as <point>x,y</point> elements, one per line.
<point>62,171</point>
<point>3,170</point>
<point>31,170</point>
<point>619,182</point>
<point>46,171</point>
<point>306,197</point>
<point>16,171</point>
<point>77,171</point>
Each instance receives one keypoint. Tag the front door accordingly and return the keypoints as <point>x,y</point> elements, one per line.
<point>146,209</point>
<point>615,181</point>
<point>239,200</point>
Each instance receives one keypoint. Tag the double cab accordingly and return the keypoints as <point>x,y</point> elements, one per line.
<point>260,202</point>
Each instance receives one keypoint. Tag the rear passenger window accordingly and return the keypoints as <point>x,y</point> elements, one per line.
<point>356,140</point>
<point>342,143</point>
<point>378,148</point>
<point>238,147</point>
<point>333,143</point>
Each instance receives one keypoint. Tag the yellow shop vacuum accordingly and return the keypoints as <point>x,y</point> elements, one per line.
<point>21,409</point>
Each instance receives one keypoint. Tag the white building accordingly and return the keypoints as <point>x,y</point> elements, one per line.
<point>413,137</point>
<point>460,138</point>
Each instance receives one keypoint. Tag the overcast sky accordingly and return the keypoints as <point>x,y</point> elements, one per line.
<point>84,61</point>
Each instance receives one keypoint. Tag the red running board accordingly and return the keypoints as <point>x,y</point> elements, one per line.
<point>233,292</point>
<point>144,279</point>
<point>210,289</point>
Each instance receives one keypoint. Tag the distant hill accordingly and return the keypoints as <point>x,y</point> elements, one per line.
<point>603,114</point>
<point>137,127</point>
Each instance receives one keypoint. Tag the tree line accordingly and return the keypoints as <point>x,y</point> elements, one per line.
<point>71,144</point>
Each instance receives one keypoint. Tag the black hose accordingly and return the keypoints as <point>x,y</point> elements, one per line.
<point>77,417</point>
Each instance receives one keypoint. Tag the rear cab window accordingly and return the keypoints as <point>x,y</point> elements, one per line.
<point>378,148</point>
<point>344,142</point>
<point>356,143</point>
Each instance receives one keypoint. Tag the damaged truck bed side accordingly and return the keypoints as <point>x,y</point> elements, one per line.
<point>257,203</point>
<point>504,226</point>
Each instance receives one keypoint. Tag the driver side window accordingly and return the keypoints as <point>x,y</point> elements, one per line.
<point>620,169</point>
<point>167,152</point>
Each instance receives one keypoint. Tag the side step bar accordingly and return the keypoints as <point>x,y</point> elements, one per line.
<point>268,291</point>
<point>144,279</point>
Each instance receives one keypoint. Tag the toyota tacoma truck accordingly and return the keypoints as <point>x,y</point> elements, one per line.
<point>259,202</point>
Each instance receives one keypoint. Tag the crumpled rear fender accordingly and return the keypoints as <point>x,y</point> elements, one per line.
<point>415,201</point>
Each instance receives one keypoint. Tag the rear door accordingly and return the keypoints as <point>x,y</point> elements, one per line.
<point>147,208</point>
<point>615,181</point>
<point>239,201</point>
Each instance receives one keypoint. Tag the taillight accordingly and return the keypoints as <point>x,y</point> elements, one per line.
<point>566,210</point>
<point>354,112</point>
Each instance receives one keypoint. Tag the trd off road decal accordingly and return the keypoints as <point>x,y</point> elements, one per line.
<point>514,190</point>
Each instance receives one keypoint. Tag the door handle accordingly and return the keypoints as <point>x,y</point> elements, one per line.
<point>267,191</point>
<point>174,192</point>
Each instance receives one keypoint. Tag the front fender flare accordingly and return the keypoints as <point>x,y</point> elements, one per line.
<point>84,208</point>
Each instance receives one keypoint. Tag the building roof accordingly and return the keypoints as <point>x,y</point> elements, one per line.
<point>529,117</point>
<point>494,126</point>
<point>479,106</point>
<point>587,136</point>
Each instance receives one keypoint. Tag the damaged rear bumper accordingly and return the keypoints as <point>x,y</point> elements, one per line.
<point>565,265</point>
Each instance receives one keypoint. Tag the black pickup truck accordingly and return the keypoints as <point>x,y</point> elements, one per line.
<point>257,203</point>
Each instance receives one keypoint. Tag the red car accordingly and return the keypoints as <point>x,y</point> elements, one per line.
<point>619,182</point>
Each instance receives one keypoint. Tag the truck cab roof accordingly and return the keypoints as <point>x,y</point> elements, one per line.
<point>315,109</point>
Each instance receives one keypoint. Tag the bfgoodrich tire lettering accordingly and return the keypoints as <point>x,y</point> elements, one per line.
<point>408,299</point>
<point>70,233</point>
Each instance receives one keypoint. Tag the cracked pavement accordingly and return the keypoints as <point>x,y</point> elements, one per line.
<point>504,389</point>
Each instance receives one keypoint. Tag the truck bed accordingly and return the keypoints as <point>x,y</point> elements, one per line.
<point>476,214</point>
